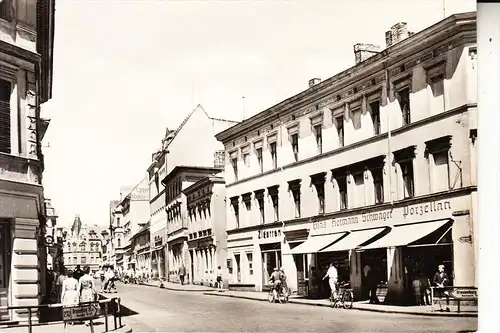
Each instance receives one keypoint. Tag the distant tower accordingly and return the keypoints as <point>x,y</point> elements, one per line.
<point>77,226</point>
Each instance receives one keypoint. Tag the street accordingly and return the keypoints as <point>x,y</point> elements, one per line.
<point>160,310</point>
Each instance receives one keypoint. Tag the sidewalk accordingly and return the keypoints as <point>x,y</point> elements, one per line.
<point>179,287</point>
<point>99,327</point>
<point>466,311</point>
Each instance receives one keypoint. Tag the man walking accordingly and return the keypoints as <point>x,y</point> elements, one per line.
<point>182,273</point>
<point>332,276</point>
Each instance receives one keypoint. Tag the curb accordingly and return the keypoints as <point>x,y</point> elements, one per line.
<point>413,313</point>
<point>123,329</point>
<point>174,289</point>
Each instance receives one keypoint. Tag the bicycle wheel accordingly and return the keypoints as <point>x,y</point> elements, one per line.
<point>270,297</point>
<point>348,299</point>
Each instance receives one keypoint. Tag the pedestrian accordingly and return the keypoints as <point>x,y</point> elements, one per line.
<point>219,278</point>
<point>441,280</point>
<point>86,288</point>
<point>78,272</point>
<point>59,283</point>
<point>69,296</point>
<point>332,276</point>
<point>110,280</point>
<point>425,285</point>
<point>371,281</point>
<point>284,285</point>
<point>182,273</point>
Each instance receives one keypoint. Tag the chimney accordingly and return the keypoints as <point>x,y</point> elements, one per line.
<point>314,81</point>
<point>365,51</point>
<point>398,32</point>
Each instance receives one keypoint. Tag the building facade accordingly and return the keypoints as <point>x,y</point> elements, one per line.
<point>141,248</point>
<point>131,213</point>
<point>177,216</point>
<point>83,245</point>
<point>206,227</point>
<point>26,48</point>
<point>179,148</point>
<point>373,167</point>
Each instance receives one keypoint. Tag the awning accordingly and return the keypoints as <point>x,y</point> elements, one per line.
<point>405,234</point>
<point>316,243</point>
<point>353,240</point>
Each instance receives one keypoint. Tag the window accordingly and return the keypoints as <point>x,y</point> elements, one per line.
<point>259,196</point>
<point>5,6</point>
<point>274,154</point>
<point>75,260</point>
<point>273,192</point>
<point>5,92</point>
<point>319,138</point>
<point>294,186</point>
<point>119,242</point>
<point>258,152</point>
<point>439,164</point>
<point>84,260</point>
<point>403,97</point>
<point>437,89</point>
<point>295,146</point>
<point>356,118</point>
<point>378,185</point>
<point>359,186</point>
<point>407,172</point>
<point>246,160</point>
<point>118,222</point>
<point>234,163</point>
<point>318,181</point>
<point>250,263</point>
<point>342,185</point>
<point>375,113</point>
<point>340,129</point>
<point>236,209</point>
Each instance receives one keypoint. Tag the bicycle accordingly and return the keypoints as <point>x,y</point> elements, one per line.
<point>345,297</point>
<point>281,296</point>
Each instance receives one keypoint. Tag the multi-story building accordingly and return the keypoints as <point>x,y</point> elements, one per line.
<point>115,233</point>
<point>83,245</point>
<point>141,248</point>
<point>179,148</point>
<point>175,183</point>
<point>130,214</point>
<point>373,167</point>
<point>26,53</point>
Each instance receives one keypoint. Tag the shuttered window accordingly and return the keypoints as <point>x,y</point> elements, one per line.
<point>5,92</point>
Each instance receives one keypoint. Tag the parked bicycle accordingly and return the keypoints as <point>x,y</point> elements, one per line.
<point>345,297</point>
<point>282,295</point>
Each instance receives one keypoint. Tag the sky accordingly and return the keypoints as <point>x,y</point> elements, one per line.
<point>124,71</point>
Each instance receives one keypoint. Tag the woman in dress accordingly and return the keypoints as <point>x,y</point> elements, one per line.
<point>86,287</point>
<point>69,293</point>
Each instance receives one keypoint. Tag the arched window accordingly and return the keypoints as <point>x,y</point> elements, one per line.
<point>69,247</point>
<point>74,247</point>
<point>82,246</point>
<point>119,242</point>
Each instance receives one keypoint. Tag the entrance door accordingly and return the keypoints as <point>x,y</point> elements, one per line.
<point>191,275</point>
<point>301,274</point>
<point>238,267</point>
<point>4,268</point>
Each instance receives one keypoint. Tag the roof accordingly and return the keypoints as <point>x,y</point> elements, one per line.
<point>452,25</point>
<point>203,182</point>
<point>184,168</point>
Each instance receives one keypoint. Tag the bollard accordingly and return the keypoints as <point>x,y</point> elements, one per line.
<point>114,311</point>
<point>119,312</point>
<point>106,315</point>
<point>29,321</point>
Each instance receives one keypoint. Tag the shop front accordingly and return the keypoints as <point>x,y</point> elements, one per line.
<point>390,247</point>
<point>241,265</point>
<point>178,255</point>
<point>157,257</point>
<point>269,242</point>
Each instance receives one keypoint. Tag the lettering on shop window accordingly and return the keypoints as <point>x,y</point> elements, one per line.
<point>396,215</point>
<point>264,234</point>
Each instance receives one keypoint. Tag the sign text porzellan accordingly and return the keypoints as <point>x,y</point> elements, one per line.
<point>389,216</point>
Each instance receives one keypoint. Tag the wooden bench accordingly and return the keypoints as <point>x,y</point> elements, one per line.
<point>456,294</point>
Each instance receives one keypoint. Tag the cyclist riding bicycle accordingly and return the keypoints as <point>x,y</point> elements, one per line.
<point>275,279</point>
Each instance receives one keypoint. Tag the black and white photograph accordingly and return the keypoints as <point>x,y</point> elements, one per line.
<point>249,166</point>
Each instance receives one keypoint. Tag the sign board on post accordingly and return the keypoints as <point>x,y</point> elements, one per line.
<point>81,312</point>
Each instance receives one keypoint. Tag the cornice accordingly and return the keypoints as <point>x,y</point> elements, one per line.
<point>448,29</point>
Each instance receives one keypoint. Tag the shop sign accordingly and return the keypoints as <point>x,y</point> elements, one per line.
<point>266,234</point>
<point>158,241</point>
<point>88,311</point>
<point>406,214</point>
